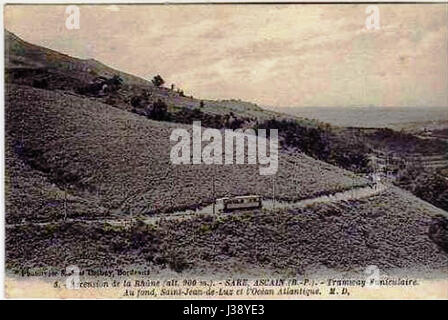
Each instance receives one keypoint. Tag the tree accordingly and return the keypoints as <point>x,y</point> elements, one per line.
<point>116,80</point>
<point>136,101</point>
<point>158,111</point>
<point>158,81</point>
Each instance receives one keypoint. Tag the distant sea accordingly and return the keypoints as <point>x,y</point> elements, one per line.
<point>379,117</point>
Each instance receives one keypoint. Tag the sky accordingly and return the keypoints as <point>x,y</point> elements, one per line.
<point>273,55</point>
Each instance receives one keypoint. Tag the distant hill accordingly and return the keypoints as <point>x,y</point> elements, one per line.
<point>23,58</point>
<point>374,117</point>
<point>26,62</point>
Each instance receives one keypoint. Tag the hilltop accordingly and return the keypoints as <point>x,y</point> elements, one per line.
<point>28,64</point>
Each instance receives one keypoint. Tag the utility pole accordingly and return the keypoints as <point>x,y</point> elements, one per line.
<point>213,189</point>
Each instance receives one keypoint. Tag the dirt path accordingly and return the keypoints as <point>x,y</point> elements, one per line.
<point>353,194</point>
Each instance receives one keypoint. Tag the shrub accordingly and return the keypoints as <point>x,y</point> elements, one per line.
<point>136,101</point>
<point>40,83</point>
<point>113,84</point>
<point>158,81</point>
<point>102,84</point>
<point>158,111</point>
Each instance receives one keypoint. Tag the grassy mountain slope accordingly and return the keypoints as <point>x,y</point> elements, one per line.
<point>391,231</point>
<point>22,58</point>
<point>120,161</point>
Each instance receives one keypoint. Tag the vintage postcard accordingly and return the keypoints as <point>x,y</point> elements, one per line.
<point>226,151</point>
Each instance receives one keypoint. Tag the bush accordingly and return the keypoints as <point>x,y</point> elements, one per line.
<point>113,84</point>
<point>40,83</point>
<point>320,143</point>
<point>158,81</point>
<point>136,101</point>
<point>425,184</point>
<point>438,231</point>
<point>102,84</point>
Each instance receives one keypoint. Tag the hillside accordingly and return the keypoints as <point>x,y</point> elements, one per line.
<point>119,161</point>
<point>93,155</point>
<point>28,64</point>
<point>23,58</point>
<point>393,231</point>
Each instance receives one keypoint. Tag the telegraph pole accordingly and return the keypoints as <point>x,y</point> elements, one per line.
<point>213,189</point>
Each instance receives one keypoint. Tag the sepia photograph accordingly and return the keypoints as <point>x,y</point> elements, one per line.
<point>226,151</point>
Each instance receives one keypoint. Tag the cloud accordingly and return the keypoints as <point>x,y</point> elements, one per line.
<point>285,55</point>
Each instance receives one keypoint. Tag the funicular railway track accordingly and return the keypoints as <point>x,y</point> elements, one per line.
<point>348,195</point>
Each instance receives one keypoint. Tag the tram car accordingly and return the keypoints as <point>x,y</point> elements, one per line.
<point>229,204</point>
